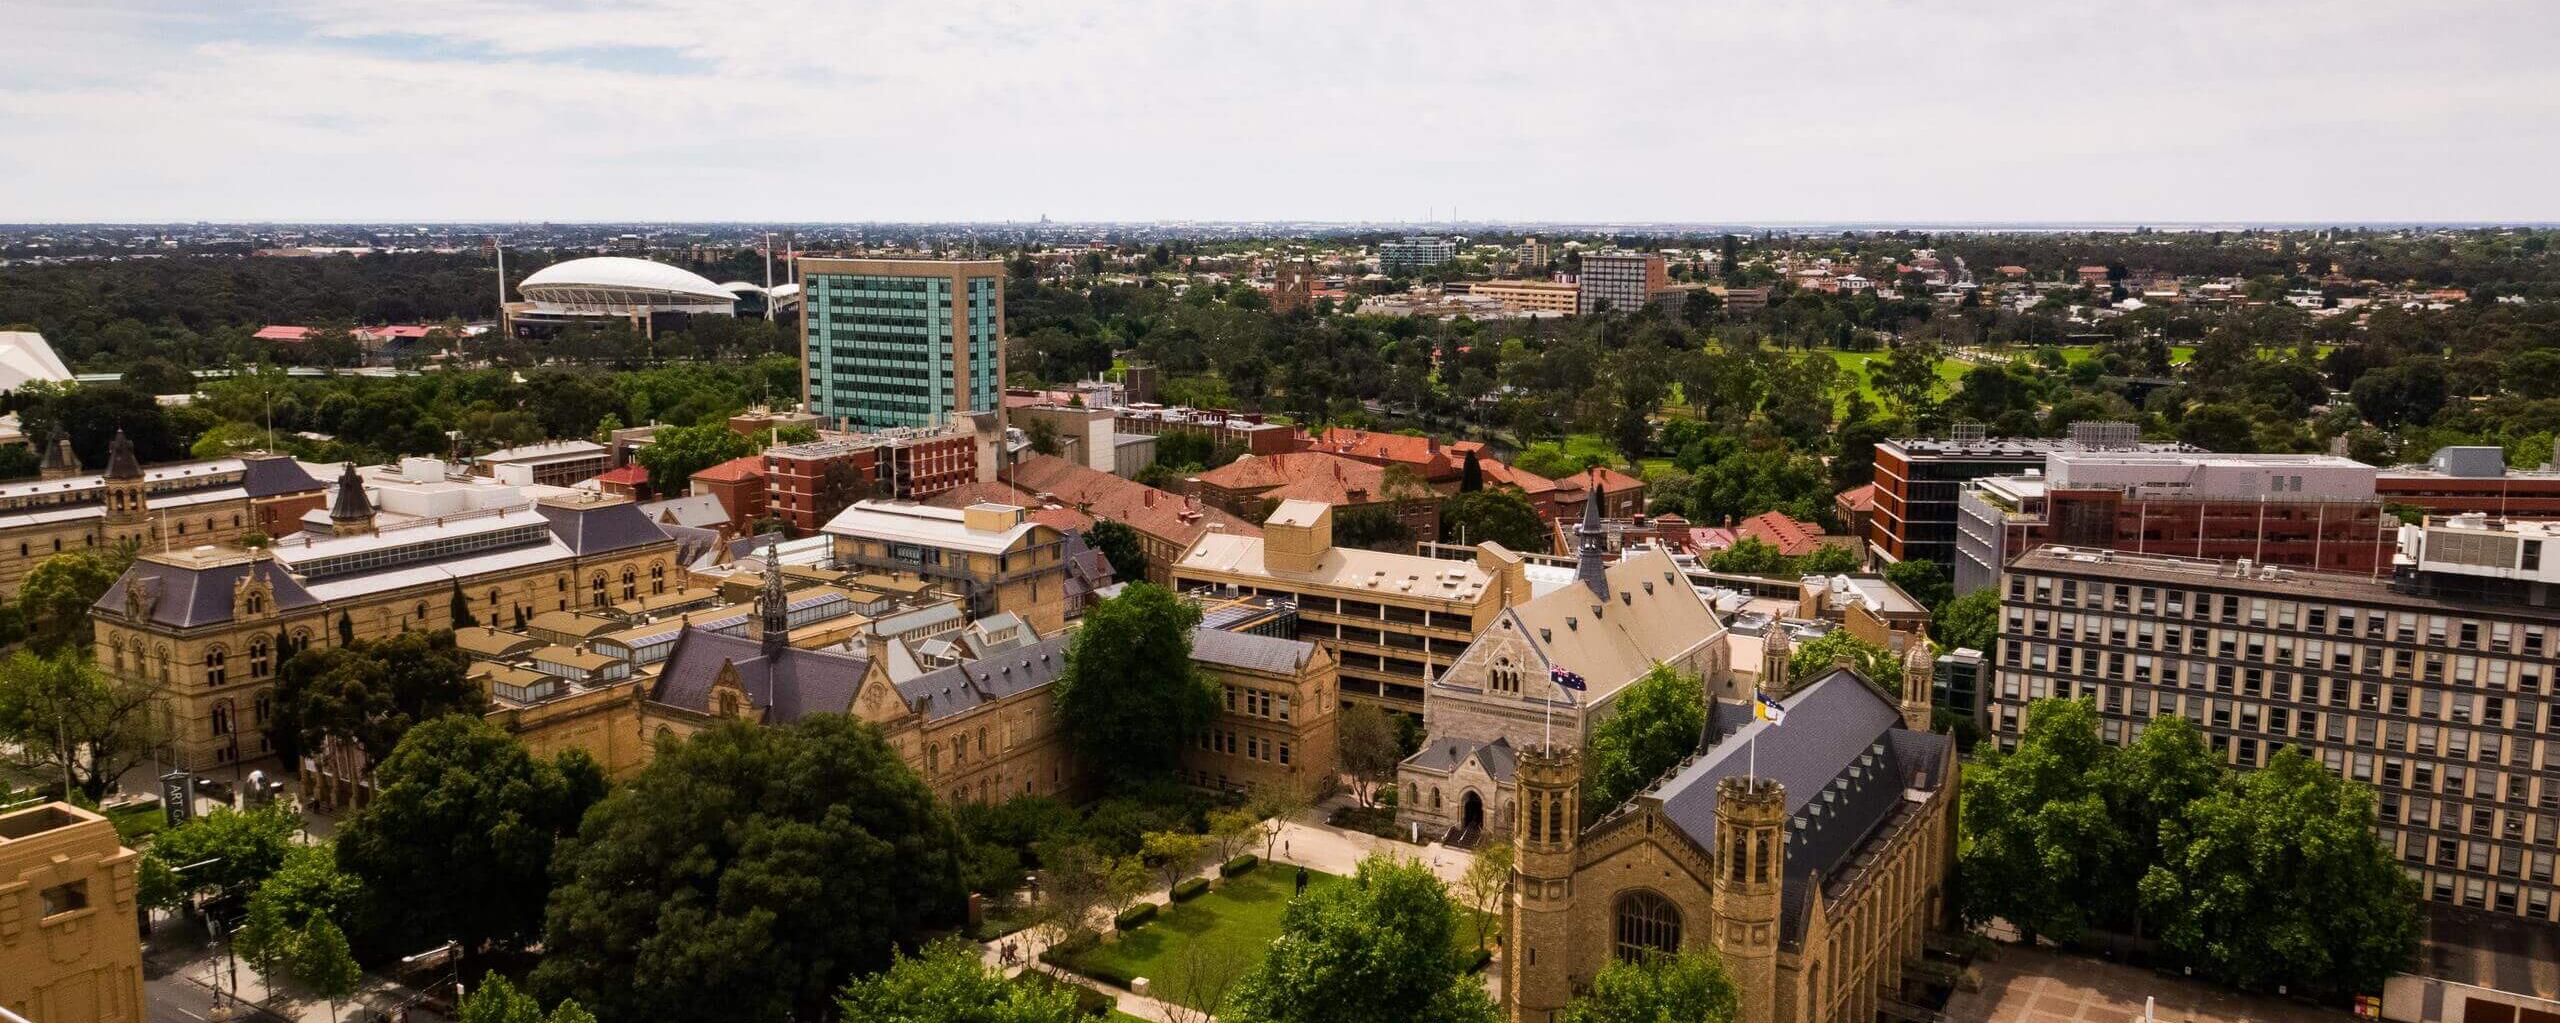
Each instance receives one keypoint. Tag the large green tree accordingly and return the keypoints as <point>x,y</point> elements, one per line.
<point>222,851</point>
<point>1690,987</point>
<point>745,873</point>
<point>1658,720</point>
<point>2043,850</point>
<point>1501,516</point>
<point>307,886</point>
<point>679,452</point>
<point>1374,948</point>
<point>1119,545</point>
<point>1970,620</point>
<point>55,597</point>
<point>458,790</point>
<point>1130,696</point>
<point>369,693</point>
<point>949,982</point>
<point>1817,655</point>
<point>71,721</point>
<point>2275,878</point>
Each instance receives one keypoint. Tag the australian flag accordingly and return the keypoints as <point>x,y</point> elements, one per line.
<point>1567,680</point>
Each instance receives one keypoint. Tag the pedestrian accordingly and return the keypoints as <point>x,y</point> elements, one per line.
<point>1302,881</point>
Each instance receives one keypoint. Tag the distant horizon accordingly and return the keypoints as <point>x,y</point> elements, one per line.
<point>1718,112</point>
<point>1413,226</point>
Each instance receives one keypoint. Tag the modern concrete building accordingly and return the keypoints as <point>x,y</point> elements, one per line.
<point>1918,480</point>
<point>552,463</point>
<point>1620,281</point>
<point>994,556</point>
<point>902,342</point>
<point>1413,254</point>
<point>1531,296</point>
<point>69,952</point>
<point>2435,685</point>
<point>2472,479</point>
<point>2301,511</point>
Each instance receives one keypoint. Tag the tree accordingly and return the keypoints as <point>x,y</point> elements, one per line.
<point>1232,832</point>
<point>460,608</point>
<point>713,885</point>
<point>1905,378</point>
<point>1471,474</point>
<point>56,595</point>
<point>1817,655</point>
<point>2155,779</point>
<point>1970,620</point>
<point>228,851</point>
<point>1366,745</point>
<point>1829,559</point>
<point>68,717</point>
<point>1497,515</point>
<point>1750,555</point>
<point>1384,934</point>
<point>1119,545</point>
<point>324,965</point>
<point>1075,878</point>
<point>2218,427</point>
<point>307,886</point>
<point>1658,721</point>
<point>2275,878</point>
<point>2044,852</point>
<point>1275,805</point>
<point>1689,986</point>
<point>460,790</point>
<point>369,694</point>
<point>1372,527</point>
<point>1130,696</point>
<point>1926,581</point>
<point>950,982</point>
<point>1486,882</point>
<point>679,452</point>
<point>497,1001</point>
<point>1176,853</point>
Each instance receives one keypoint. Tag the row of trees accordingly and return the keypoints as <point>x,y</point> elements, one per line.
<point>2264,879</point>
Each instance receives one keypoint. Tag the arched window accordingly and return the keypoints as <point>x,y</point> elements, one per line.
<point>118,643</point>
<point>215,673</point>
<point>222,718</point>
<point>256,602</point>
<point>595,587</point>
<point>1435,797</point>
<point>630,583</point>
<point>266,706</point>
<point>658,577</point>
<point>1648,924</point>
<point>258,659</point>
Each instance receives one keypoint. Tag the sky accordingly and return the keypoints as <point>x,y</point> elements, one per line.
<point>1723,111</point>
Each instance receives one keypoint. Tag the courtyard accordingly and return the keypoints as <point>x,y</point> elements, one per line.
<point>2030,985</point>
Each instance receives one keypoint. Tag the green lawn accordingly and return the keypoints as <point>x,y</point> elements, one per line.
<point>1853,365</point>
<point>1240,920</point>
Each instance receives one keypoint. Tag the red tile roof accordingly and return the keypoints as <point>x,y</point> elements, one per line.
<point>1790,537</point>
<point>1424,453</point>
<point>630,475</point>
<point>735,470</point>
<point>1858,499</point>
<point>1169,517</point>
<point>1617,482</point>
<point>283,333</point>
<point>1301,476</point>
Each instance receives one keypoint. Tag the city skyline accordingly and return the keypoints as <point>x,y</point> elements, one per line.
<point>316,111</point>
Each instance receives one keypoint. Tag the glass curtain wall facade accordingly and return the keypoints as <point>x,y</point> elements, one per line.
<point>892,343</point>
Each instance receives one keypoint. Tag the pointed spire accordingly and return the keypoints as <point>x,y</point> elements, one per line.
<point>59,459</point>
<point>352,510</point>
<point>121,465</point>
<point>773,605</point>
<point>1591,564</point>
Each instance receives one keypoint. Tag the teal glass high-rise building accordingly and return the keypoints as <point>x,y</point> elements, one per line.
<point>901,342</point>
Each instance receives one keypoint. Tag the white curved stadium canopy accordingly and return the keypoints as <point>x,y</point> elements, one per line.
<point>620,280</point>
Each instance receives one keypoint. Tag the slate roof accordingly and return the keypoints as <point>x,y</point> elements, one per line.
<point>702,511</point>
<point>787,687</point>
<point>943,692</point>
<point>1248,651</point>
<point>190,597</point>
<point>1844,758</point>
<point>597,528</point>
<point>1445,755</point>
<point>268,477</point>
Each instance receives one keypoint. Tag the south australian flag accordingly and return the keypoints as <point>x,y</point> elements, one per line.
<point>1567,680</point>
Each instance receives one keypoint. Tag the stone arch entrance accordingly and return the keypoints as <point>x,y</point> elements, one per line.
<point>1471,817</point>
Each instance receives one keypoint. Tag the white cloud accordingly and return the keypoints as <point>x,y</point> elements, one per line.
<point>1736,111</point>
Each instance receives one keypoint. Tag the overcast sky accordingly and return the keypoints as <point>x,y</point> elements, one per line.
<point>1779,111</point>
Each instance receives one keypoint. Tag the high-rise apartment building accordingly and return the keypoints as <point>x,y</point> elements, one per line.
<point>2299,511</point>
<point>1621,281</point>
<point>902,342</point>
<point>2435,685</point>
<point>1421,252</point>
<point>1533,254</point>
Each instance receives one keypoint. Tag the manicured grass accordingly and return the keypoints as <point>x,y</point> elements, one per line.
<point>1239,921</point>
<point>1853,366</point>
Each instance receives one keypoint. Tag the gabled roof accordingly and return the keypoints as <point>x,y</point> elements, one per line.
<point>1301,476</point>
<point>1249,652</point>
<point>1651,615</point>
<point>788,686</point>
<point>943,692</point>
<point>702,511</point>
<point>1168,517</point>
<point>186,596</point>
<point>735,470</point>
<point>1790,537</point>
<point>271,475</point>
<point>596,528</point>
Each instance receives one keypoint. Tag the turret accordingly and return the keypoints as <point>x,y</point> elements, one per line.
<point>773,605</point>
<point>1776,649</point>
<point>1591,558</point>
<point>1751,850</point>
<point>1536,962</point>
<point>1919,675</point>
<point>351,511</point>
<point>60,462</point>
<point>126,502</point>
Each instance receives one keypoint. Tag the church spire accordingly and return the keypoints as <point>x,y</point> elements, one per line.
<point>773,605</point>
<point>1591,564</point>
<point>121,465</point>
<point>352,511</point>
<point>59,460</point>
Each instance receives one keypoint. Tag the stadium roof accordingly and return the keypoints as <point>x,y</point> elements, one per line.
<point>578,281</point>
<point>25,357</point>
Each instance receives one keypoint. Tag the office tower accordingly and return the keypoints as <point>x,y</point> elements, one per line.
<point>902,342</point>
<point>1917,480</point>
<point>1416,253</point>
<point>2434,685</point>
<point>1621,281</point>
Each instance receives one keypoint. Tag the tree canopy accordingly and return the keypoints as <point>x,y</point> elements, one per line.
<point>1691,987</point>
<point>369,693</point>
<point>1385,933</point>
<point>950,982</point>
<point>1658,721</point>
<point>715,885</point>
<point>1130,696</point>
<point>1501,516</point>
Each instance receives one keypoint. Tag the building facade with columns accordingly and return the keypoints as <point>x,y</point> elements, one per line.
<point>1811,857</point>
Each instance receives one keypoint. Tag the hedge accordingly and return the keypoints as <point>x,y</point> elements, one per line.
<point>1239,865</point>
<point>1191,889</point>
<point>1476,960</point>
<point>1135,916</point>
<point>1062,954</point>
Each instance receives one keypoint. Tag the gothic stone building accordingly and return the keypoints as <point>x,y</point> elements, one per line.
<point>173,505</point>
<point>202,625</point>
<point>1612,625</point>
<point>1810,857</point>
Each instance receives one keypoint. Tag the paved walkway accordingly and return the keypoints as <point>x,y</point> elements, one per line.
<point>2032,985</point>
<point>185,971</point>
<point>1305,842</point>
